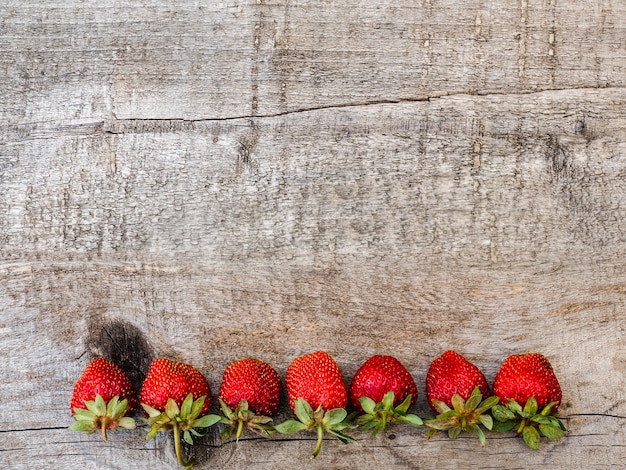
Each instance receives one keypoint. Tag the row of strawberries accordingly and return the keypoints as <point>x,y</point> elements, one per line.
<point>175,396</point>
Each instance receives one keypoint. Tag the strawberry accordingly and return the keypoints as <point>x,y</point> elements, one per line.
<point>530,393</point>
<point>103,399</point>
<point>170,379</point>
<point>455,388</point>
<point>451,373</point>
<point>384,389</point>
<point>317,379</point>
<point>318,397</point>
<point>522,376</point>
<point>251,388</point>
<point>175,396</point>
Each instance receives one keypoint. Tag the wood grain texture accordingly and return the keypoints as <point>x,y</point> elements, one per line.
<point>213,180</point>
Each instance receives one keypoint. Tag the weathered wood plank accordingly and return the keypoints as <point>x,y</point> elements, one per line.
<point>327,310</point>
<point>77,60</point>
<point>400,183</point>
<point>208,182</point>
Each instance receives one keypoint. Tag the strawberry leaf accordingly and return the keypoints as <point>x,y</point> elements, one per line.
<point>474,400</point>
<point>365,420</point>
<point>91,406</point>
<point>514,407</point>
<point>171,409</point>
<point>436,424</point>
<point>367,404</point>
<point>152,412</point>
<point>531,437</point>
<point>404,406</point>
<point>304,412</point>
<point>440,406</point>
<point>291,426</point>
<point>411,419</point>
<point>503,426</point>
<point>344,438</point>
<point>186,407</point>
<point>80,413</point>
<point>541,419</point>
<point>480,433</point>
<point>151,434</point>
<point>387,402</point>
<point>127,423</point>
<point>560,424</point>
<point>368,425</point>
<point>548,408</point>
<point>457,402</point>
<point>502,413</point>
<point>487,404</point>
<point>196,407</point>
<point>206,421</point>
<point>551,432</point>
<point>333,417</point>
<point>100,406</point>
<point>226,411</point>
<point>83,426</point>
<point>530,408</point>
<point>486,421</point>
<point>112,405</point>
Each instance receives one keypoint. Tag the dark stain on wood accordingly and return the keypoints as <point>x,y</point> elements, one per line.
<point>125,345</point>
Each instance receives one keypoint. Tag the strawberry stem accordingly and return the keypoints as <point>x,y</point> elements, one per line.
<point>104,422</point>
<point>177,447</point>
<point>320,438</point>
<point>239,429</point>
<point>522,425</point>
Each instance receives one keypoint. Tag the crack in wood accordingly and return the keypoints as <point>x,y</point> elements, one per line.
<point>46,428</point>
<point>481,93</point>
<point>116,126</point>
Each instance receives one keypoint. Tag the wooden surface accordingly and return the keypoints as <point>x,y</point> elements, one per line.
<point>214,180</point>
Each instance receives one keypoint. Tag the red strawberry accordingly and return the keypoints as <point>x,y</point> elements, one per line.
<point>451,373</point>
<point>318,396</point>
<point>251,388</point>
<point>170,379</point>
<point>384,389</point>
<point>103,398</point>
<point>527,375</point>
<point>530,393</point>
<point>317,379</point>
<point>176,397</point>
<point>380,375</point>
<point>455,389</point>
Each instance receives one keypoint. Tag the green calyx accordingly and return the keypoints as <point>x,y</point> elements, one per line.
<point>242,417</point>
<point>185,419</point>
<point>465,416</point>
<point>378,415</point>
<point>102,416</point>
<point>332,421</point>
<point>528,421</point>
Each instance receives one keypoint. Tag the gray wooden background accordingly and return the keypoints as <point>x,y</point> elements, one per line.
<point>210,180</point>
